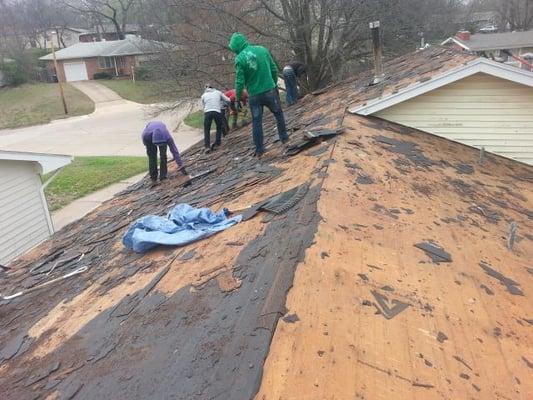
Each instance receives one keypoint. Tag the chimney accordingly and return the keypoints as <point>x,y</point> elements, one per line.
<point>378,56</point>
<point>463,36</point>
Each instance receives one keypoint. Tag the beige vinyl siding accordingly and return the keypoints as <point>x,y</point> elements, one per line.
<point>24,219</point>
<point>480,111</point>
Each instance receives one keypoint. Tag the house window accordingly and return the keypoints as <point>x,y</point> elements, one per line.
<point>105,62</point>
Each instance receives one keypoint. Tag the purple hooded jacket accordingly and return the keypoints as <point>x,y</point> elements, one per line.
<point>157,133</point>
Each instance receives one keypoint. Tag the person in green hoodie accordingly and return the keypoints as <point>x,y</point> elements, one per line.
<point>256,71</point>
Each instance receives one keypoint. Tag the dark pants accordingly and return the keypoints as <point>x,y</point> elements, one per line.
<point>291,86</point>
<point>225,118</point>
<point>269,99</point>
<point>208,120</point>
<point>151,151</point>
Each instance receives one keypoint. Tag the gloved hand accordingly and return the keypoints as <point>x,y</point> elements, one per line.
<point>184,171</point>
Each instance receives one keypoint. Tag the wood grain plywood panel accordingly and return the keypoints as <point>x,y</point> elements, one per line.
<point>463,335</point>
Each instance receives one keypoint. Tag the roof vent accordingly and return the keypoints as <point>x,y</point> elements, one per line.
<point>378,53</point>
<point>463,36</point>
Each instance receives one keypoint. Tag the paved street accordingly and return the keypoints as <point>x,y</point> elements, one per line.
<point>113,129</point>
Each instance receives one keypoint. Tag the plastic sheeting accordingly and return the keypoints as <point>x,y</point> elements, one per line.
<point>184,224</point>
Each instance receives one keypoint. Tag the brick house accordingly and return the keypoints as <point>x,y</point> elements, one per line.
<point>117,58</point>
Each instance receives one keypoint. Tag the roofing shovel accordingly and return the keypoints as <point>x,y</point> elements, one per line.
<point>33,289</point>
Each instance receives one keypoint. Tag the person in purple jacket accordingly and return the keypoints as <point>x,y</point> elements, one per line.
<point>156,135</point>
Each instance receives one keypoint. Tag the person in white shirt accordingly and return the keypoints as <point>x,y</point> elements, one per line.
<point>213,101</point>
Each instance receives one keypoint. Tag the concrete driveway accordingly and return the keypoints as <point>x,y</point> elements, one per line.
<point>113,129</point>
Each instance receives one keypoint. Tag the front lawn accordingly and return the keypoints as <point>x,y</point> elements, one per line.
<point>196,119</point>
<point>89,174</point>
<point>40,103</point>
<point>144,92</point>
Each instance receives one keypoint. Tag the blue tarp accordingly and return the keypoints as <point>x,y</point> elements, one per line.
<point>184,224</point>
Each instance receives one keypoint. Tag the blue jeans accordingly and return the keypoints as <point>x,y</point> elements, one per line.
<point>269,99</point>
<point>291,85</point>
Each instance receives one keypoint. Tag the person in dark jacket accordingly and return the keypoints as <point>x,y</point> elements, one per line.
<point>256,71</point>
<point>291,73</point>
<point>156,136</point>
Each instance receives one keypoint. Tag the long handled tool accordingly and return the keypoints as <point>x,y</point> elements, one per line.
<point>33,289</point>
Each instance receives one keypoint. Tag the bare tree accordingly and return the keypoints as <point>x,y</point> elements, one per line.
<point>514,15</point>
<point>330,36</point>
<point>117,12</point>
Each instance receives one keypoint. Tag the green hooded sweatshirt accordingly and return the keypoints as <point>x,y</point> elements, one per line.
<point>254,67</point>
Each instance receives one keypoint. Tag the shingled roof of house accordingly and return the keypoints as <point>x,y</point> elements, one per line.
<point>495,41</point>
<point>131,45</point>
<point>392,277</point>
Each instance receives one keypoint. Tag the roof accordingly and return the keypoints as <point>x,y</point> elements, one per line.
<point>112,48</point>
<point>68,28</point>
<point>329,299</point>
<point>439,79</point>
<point>47,162</point>
<point>494,41</point>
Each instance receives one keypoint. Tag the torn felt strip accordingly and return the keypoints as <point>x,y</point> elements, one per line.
<point>183,225</point>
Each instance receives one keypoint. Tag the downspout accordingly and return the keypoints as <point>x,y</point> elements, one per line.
<point>49,180</point>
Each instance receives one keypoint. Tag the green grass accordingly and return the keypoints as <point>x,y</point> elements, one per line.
<point>89,174</point>
<point>196,119</point>
<point>39,103</point>
<point>144,92</point>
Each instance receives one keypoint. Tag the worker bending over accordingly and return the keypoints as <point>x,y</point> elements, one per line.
<point>256,71</point>
<point>213,102</point>
<point>156,135</point>
<point>232,110</point>
<point>291,73</point>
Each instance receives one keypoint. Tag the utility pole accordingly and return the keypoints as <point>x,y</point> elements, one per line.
<point>57,74</point>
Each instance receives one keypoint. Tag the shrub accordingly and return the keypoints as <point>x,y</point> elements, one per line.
<point>142,74</point>
<point>14,74</point>
<point>102,75</point>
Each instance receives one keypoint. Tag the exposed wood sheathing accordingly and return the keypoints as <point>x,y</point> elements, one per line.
<point>198,322</point>
<point>186,323</point>
<point>340,348</point>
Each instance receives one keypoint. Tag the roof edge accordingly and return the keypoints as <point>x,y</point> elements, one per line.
<point>480,65</point>
<point>48,162</point>
<point>456,41</point>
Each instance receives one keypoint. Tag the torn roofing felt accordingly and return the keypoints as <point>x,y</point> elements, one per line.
<point>198,322</point>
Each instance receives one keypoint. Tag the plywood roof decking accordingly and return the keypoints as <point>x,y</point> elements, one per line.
<point>340,348</point>
<point>197,322</point>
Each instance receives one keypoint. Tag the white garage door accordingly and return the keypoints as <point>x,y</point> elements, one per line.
<point>75,71</point>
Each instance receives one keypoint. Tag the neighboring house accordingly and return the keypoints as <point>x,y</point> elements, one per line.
<point>67,37</point>
<point>481,103</point>
<point>108,33</point>
<point>496,46</point>
<point>24,217</point>
<point>118,57</point>
<point>479,20</point>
